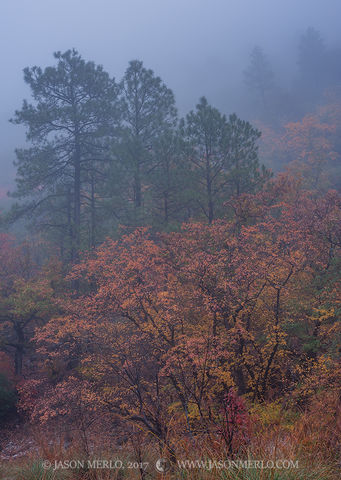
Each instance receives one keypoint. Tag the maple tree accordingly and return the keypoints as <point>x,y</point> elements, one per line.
<point>177,297</point>
<point>164,326</point>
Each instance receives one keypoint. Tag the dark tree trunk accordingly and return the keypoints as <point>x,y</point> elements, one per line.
<point>77,200</point>
<point>165,209</point>
<point>19,349</point>
<point>209,190</point>
<point>69,224</point>
<point>93,214</point>
<point>137,186</point>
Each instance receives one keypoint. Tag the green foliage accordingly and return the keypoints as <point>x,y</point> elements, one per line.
<point>149,114</point>
<point>36,471</point>
<point>73,114</point>
<point>223,155</point>
<point>103,155</point>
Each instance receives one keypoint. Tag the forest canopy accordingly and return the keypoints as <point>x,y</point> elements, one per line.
<point>178,284</point>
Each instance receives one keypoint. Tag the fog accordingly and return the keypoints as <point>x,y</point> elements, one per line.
<point>198,47</point>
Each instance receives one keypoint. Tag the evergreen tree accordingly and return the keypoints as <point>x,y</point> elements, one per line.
<point>69,126</point>
<point>169,181</point>
<point>205,133</point>
<point>245,174</point>
<point>313,68</point>
<point>148,108</point>
<point>224,158</point>
<point>259,75</point>
<point>311,54</point>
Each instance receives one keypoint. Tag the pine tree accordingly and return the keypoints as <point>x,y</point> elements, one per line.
<point>205,133</point>
<point>245,174</point>
<point>68,125</point>
<point>259,75</point>
<point>148,111</point>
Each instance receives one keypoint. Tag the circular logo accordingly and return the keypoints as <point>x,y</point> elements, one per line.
<point>46,465</point>
<point>162,465</point>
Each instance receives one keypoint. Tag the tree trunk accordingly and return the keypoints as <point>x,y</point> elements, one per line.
<point>92,214</point>
<point>69,225</point>
<point>19,349</point>
<point>209,190</point>
<point>77,199</point>
<point>137,187</point>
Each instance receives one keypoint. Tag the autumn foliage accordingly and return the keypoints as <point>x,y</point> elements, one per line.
<point>168,295</point>
<point>167,332</point>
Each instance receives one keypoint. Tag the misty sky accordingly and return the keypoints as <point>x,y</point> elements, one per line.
<point>198,47</point>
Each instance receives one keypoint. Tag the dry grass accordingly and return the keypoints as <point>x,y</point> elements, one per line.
<point>313,440</point>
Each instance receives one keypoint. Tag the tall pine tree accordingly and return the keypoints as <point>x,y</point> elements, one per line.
<point>149,111</point>
<point>74,114</point>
